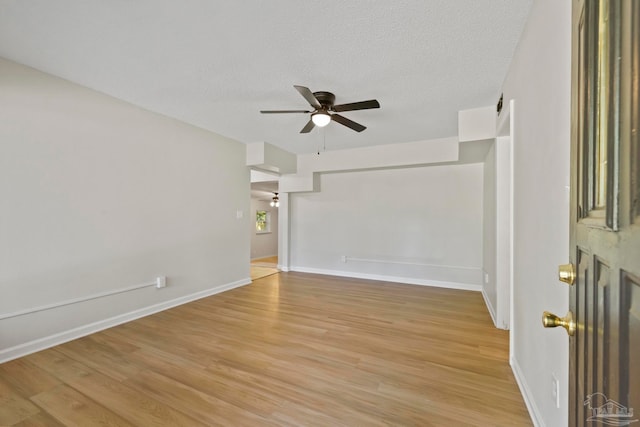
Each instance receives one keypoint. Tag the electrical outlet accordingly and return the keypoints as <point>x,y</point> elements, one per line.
<point>555,390</point>
<point>161,282</point>
<point>486,278</point>
<point>343,258</point>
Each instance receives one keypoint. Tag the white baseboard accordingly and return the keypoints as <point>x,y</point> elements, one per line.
<point>527,396</point>
<point>283,268</point>
<point>81,331</point>
<point>395,279</point>
<point>492,311</point>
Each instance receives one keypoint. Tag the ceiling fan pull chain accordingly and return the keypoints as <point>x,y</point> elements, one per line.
<point>324,137</point>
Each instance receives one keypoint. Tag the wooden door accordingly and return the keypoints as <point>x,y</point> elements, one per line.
<point>605,213</point>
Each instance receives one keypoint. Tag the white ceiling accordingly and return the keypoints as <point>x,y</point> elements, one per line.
<point>215,64</point>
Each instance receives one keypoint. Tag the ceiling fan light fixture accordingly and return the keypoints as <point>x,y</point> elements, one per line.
<point>321,118</point>
<point>275,201</point>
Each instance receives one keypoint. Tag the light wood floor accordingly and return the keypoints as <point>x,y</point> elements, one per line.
<point>264,267</point>
<point>271,261</point>
<point>290,349</point>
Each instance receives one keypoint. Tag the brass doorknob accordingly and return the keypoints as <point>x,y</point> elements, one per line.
<point>567,273</point>
<point>550,320</point>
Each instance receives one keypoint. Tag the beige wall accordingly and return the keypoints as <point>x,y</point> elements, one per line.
<point>489,233</point>
<point>98,195</point>
<point>419,225</point>
<point>539,80</point>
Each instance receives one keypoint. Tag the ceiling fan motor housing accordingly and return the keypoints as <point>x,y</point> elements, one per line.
<point>326,99</point>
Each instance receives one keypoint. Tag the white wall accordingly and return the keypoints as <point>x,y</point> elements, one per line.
<point>407,154</point>
<point>496,232</point>
<point>401,218</point>
<point>539,82</point>
<point>489,233</point>
<point>263,244</point>
<point>98,195</point>
<point>504,259</point>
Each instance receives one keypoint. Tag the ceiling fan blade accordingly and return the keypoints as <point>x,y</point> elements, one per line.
<point>283,111</point>
<point>362,105</point>
<point>308,127</point>
<point>348,123</point>
<point>308,95</point>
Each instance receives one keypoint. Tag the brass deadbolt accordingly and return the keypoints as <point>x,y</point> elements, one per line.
<point>567,273</point>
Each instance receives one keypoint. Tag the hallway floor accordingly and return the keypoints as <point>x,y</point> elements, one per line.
<point>263,267</point>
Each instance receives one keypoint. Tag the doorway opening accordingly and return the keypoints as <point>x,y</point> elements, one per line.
<point>264,225</point>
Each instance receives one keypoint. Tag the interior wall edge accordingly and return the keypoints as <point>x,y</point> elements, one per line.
<point>490,308</point>
<point>527,394</point>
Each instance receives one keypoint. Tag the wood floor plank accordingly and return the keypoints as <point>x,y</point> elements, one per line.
<point>202,406</point>
<point>13,407</point>
<point>290,349</point>
<point>26,378</point>
<point>100,357</point>
<point>74,409</point>
<point>41,419</point>
<point>233,390</point>
<point>129,403</point>
<point>58,365</point>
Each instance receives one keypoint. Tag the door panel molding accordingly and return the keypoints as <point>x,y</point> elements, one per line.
<point>604,229</point>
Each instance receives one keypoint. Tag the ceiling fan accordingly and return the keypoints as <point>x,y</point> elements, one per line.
<point>325,111</point>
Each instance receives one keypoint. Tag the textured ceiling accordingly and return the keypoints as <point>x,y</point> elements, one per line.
<point>215,64</point>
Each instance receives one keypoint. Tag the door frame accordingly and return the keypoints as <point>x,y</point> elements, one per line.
<point>504,219</point>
